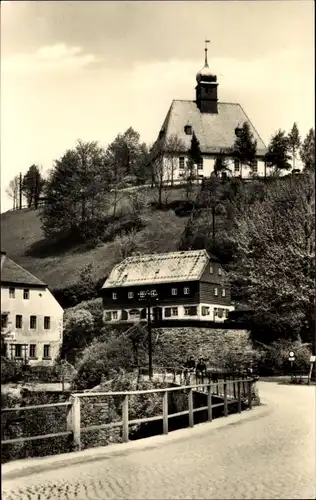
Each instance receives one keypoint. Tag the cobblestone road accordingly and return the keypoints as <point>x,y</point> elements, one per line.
<point>263,457</point>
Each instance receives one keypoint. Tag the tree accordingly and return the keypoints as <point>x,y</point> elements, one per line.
<point>172,147</point>
<point>307,151</point>
<point>78,333</point>
<point>245,146</point>
<point>221,163</point>
<point>160,175</point>
<point>13,191</point>
<point>277,155</point>
<point>275,242</point>
<point>77,193</point>
<point>32,186</point>
<point>126,160</point>
<point>194,153</point>
<point>294,142</point>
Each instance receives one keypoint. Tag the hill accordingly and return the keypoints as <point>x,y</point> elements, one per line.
<point>58,265</point>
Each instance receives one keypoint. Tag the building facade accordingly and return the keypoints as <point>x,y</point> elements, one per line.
<point>177,285</point>
<point>216,126</point>
<point>31,318</point>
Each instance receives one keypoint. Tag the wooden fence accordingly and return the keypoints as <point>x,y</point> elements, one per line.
<point>242,391</point>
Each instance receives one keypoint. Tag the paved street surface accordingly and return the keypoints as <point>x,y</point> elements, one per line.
<point>270,454</point>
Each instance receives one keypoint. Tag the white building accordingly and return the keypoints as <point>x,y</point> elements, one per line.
<point>215,124</point>
<point>31,318</point>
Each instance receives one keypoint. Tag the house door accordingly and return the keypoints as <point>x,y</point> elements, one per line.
<point>157,313</point>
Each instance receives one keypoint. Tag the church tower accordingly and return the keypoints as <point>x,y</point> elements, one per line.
<point>206,89</point>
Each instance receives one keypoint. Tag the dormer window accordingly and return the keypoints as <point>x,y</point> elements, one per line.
<point>188,130</point>
<point>174,291</point>
<point>130,295</point>
<point>186,291</point>
<point>219,271</point>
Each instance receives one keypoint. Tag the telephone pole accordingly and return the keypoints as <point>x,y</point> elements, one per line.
<point>20,191</point>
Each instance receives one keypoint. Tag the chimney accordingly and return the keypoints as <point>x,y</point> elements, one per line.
<point>3,254</point>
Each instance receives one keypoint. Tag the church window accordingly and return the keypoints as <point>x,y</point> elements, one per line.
<point>236,165</point>
<point>181,162</point>
<point>200,164</point>
<point>188,130</point>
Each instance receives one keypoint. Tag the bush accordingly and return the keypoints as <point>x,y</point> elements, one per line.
<point>11,371</point>
<point>275,360</point>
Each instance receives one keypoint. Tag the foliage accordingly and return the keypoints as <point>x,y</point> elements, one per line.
<point>245,146</point>
<point>13,191</point>
<point>275,242</point>
<point>307,151</point>
<point>278,155</point>
<point>275,356</point>
<point>221,163</point>
<point>78,333</point>
<point>76,193</point>
<point>294,142</point>
<point>108,356</point>
<point>11,371</point>
<point>32,186</point>
<point>194,152</point>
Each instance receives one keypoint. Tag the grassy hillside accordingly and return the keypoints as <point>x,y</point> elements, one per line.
<point>58,266</point>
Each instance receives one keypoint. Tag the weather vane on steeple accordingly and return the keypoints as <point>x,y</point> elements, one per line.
<point>206,42</point>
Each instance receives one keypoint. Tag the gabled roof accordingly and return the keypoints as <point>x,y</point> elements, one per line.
<point>159,268</point>
<point>14,274</point>
<point>215,131</point>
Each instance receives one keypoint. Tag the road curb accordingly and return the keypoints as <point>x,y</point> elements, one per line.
<point>29,466</point>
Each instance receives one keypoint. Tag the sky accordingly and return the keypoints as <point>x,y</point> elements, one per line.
<point>90,69</point>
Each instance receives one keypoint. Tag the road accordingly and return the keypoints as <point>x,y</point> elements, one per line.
<point>268,455</point>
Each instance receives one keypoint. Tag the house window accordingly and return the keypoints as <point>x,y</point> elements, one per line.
<point>114,314</point>
<point>188,130</point>
<point>108,316</point>
<point>12,293</point>
<point>226,313</point>
<point>219,271</point>
<point>134,314</point>
<point>200,164</point>
<point>254,166</point>
<point>18,351</point>
<point>32,322</point>
<point>211,270</point>
<point>205,311</point>
<point>236,165</point>
<point>167,312</point>
<point>190,311</point>
<point>223,292</point>
<point>46,351</point>
<point>26,293</point>
<point>4,320</point>
<point>215,311</point>
<point>220,312</point>
<point>186,291</point>
<point>130,295</point>
<point>18,321</point>
<point>114,296</point>
<point>181,162</point>
<point>47,322</point>
<point>174,311</point>
<point>215,292</point>
<point>174,291</point>
<point>32,350</point>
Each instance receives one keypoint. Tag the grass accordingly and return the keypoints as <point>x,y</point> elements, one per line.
<point>21,230</point>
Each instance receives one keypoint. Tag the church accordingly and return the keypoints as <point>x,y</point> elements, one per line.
<point>215,124</point>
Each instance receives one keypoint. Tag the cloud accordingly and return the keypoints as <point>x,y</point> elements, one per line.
<point>58,57</point>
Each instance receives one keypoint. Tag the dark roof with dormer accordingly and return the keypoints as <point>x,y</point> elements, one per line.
<point>13,274</point>
<point>215,131</point>
<point>159,268</point>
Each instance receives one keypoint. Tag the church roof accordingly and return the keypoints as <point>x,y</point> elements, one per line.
<point>12,273</point>
<point>215,131</point>
<point>159,268</point>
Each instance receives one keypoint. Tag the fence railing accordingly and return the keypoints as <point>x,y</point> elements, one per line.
<point>242,392</point>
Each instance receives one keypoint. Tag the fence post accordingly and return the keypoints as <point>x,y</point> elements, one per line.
<point>73,422</point>
<point>209,403</point>
<point>239,396</point>
<point>125,419</point>
<point>190,401</point>
<point>225,398</point>
<point>250,394</point>
<point>165,412</point>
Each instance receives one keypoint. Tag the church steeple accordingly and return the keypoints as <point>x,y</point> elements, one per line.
<point>206,89</point>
